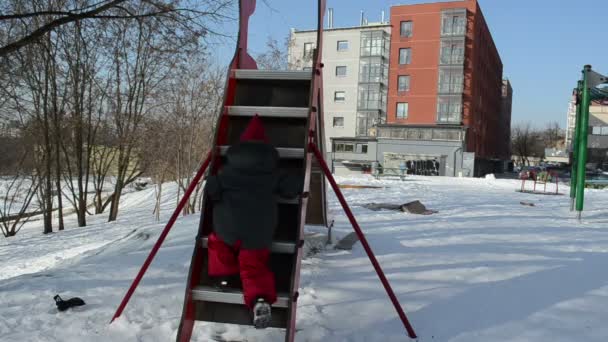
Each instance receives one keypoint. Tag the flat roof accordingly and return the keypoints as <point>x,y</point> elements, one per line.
<point>371,26</point>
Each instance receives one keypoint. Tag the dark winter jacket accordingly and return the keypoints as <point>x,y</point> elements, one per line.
<point>244,194</point>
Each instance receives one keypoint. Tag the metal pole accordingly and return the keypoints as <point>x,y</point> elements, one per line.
<point>577,127</point>
<point>162,237</point>
<point>582,145</point>
<point>387,286</point>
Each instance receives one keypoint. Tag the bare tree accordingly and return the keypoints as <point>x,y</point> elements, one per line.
<point>18,185</point>
<point>553,135</point>
<point>82,76</point>
<point>526,142</point>
<point>193,108</point>
<point>276,56</point>
<point>15,199</point>
<point>42,17</point>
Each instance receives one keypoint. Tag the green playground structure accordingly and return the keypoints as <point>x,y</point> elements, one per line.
<point>587,90</point>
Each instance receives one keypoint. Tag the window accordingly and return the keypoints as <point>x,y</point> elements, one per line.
<point>403,83</point>
<point>405,56</point>
<point>452,52</point>
<point>341,71</point>
<point>338,121</point>
<point>350,147</point>
<point>374,43</point>
<point>342,45</point>
<point>308,48</point>
<point>344,147</point>
<point>454,24</point>
<point>451,80</point>
<point>406,29</point>
<point>339,96</point>
<point>599,130</point>
<point>371,97</point>
<point>402,108</point>
<point>372,70</point>
<point>449,109</point>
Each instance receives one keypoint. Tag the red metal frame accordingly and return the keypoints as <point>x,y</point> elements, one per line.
<point>162,237</point>
<point>553,175</point>
<point>363,240</point>
<point>315,113</point>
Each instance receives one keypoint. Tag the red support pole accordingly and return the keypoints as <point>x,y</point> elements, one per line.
<point>387,286</point>
<point>162,237</point>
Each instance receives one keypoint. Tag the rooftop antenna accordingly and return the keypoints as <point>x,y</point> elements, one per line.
<point>362,19</point>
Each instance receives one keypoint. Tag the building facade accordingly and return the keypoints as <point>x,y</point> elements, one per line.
<point>426,89</point>
<point>570,124</point>
<point>597,138</point>
<point>446,82</point>
<point>355,79</point>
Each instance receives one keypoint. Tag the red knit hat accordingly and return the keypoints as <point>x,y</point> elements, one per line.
<point>254,131</point>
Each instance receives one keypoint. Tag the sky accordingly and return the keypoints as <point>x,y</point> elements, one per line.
<point>543,43</point>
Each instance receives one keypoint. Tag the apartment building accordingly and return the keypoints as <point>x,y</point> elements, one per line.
<point>597,138</point>
<point>355,81</point>
<point>424,89</point>
<point>445,98</point>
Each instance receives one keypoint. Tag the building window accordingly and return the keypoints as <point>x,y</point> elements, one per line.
<point>406,29</point>
<point>344,147</point>
<point>338,121</point>
<point>342,45</point>
<point>308,48</point>
<point>405,56</point>
<point>599,130</point>
<point>449,109</point>
<point>339,96</point>
<point>372,70</point>
<point>371,97</point>
<point>350,147</point>
<point>403,83</point>
<point>452,53</point>
<point>374,43</point>
<point>402,109</point>
<point>341,71</point>
<point>454,24</point>
<point>451,80</point>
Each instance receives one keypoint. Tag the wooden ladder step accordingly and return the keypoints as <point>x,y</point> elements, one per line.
<point>251,74</point>
<point>284,152</point>
<point>283,247</point>
<point>210,294</point>
<point>273,112</point>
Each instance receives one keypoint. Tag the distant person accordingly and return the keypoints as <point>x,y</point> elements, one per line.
<point>245,215</point>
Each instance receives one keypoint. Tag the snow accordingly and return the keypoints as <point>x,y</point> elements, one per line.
<point>484,268</point>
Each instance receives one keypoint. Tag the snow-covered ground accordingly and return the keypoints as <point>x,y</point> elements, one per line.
<point>485,268</point>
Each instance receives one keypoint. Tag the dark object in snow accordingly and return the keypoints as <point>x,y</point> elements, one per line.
<point>63,305</point>
<point>347,242</point>
<point>414,207</point>
<point>529,204</point>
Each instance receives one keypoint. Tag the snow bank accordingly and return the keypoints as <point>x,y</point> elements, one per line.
<point>485,268</point>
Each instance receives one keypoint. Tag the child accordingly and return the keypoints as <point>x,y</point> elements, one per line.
<point>245,217</point>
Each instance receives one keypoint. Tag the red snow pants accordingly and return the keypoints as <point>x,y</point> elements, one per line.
<point>252,265</point>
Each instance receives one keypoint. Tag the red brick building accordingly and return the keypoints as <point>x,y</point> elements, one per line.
<point>445,72</point>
